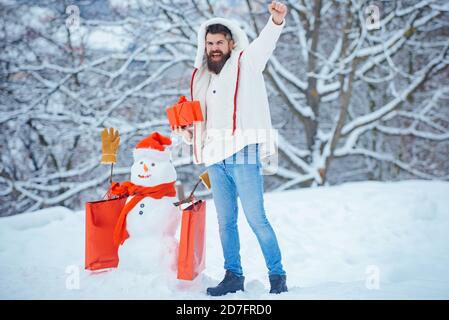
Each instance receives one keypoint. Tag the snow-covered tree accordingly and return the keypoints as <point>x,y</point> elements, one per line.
<point>355,93</point>
<point>64,78</point>
<point>367,90</point>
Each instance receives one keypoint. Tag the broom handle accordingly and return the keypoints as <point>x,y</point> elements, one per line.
<point>110,177</point>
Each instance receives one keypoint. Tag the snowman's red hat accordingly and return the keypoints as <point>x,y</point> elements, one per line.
<point>153,147</point>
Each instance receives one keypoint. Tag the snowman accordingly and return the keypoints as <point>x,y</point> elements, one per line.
<point>146,228</point>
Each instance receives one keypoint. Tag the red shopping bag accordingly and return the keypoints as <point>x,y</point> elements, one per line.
<point>191,258</point>
<point>101,218</point>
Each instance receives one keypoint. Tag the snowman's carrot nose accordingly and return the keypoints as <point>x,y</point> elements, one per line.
<point>145,168</point>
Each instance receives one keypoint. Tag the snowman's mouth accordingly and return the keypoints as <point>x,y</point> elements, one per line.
<point>144,177</point>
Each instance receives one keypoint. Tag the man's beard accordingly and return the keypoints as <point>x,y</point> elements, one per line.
<point>216,66</point>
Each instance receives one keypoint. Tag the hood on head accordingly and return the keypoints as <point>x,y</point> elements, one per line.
<point>238,35</point>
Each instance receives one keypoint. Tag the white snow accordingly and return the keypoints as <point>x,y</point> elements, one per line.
<point>334,241</point>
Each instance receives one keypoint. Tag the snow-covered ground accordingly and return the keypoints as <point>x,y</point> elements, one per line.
<point>366,240</point>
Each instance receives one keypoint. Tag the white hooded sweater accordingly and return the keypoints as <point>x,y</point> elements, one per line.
<point>242,94</point>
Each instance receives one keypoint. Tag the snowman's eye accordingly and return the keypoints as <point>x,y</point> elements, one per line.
<point>152,164</point>
<point>141,162</point>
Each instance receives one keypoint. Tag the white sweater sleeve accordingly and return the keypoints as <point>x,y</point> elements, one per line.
<point>260,50</point>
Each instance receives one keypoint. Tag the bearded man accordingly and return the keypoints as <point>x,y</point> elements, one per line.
<point>236,136</point>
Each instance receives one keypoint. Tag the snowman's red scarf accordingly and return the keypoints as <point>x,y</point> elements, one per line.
<point>127,189</point>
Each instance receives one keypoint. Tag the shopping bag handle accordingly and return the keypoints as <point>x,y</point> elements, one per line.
<point>190,198</point>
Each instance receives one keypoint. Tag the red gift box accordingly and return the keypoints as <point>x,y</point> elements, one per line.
<point>184,113</point>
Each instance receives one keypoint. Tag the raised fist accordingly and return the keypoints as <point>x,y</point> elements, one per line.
<point>278,11</point>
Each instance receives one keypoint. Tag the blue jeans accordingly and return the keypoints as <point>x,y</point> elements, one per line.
<point>240,176</point>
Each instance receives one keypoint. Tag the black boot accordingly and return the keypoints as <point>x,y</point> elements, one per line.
<point>278,283</point>
<point>230,283</point>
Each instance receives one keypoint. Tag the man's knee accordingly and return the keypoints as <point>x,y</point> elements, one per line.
<point>227,225</point>
<point>258,222</point>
